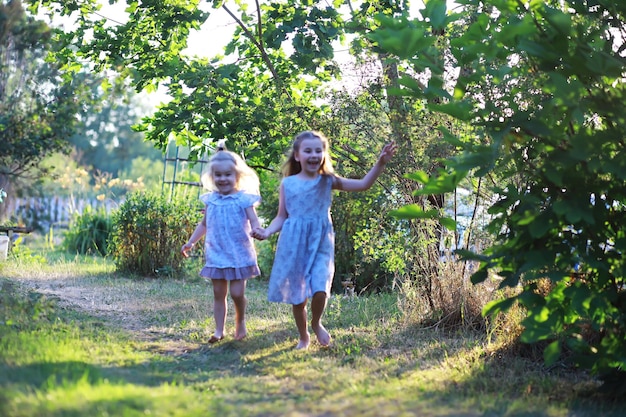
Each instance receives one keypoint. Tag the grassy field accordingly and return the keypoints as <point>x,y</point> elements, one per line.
<point>76,339</point>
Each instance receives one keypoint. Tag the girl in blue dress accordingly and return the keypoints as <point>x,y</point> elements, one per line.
<point>305,255</point>
<point>229,218</point>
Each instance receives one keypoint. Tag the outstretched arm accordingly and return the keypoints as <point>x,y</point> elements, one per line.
<point>197,234</point>
<point>350,184</point>
<point>277,223</point>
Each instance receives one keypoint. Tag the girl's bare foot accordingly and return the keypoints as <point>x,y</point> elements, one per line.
<point>323,337</point>
<point>303,344</point>
<point>241,331</point>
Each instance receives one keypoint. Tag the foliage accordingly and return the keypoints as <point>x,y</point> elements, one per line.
<point>257,103</point>
<point>553,126</point>
<point>148,231</point>
<point>24,254</point>
<point>89,233</point>
<point>38,113</point>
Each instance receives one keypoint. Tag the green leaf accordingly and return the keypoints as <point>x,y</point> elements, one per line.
<point>540,227</point>
<point>435,11</point>
<point>459,110</point>
<point>479,276</point>
<point>552,352</point>
<point>448,223</point>
<point>413,211</point>
<point>496,306</point>
<point>445,182</point>
<point>411,83</point>
<point>419,176</point>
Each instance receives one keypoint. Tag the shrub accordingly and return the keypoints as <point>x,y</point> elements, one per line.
<point>148,231</point>
<point>89,233</point>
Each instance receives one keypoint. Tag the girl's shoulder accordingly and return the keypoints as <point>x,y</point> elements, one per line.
<point>247,199</point>
<point>206,198</point>
<point>240,198</point>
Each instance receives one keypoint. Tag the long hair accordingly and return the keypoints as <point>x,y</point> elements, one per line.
<point>292,167</point>
<point>247,179</point>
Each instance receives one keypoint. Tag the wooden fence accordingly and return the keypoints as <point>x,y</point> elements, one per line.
<point>42,213</point>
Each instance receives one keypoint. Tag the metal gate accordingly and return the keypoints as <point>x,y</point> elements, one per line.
<point>180,170</point>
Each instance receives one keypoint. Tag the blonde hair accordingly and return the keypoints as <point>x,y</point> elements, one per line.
<point>247,180</point>
<point>292,167</point>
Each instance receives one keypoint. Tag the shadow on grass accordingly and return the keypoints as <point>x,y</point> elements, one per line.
<point>397,362</point>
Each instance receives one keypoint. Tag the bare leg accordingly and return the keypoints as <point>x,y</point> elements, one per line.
<point>220,290</point>
<point>299,314</point>
<point>237,293</point>
<point>318,305</point>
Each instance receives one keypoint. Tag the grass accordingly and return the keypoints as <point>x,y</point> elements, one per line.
<point>77,339</point>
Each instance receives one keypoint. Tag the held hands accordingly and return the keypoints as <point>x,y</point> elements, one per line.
<point>259,233</point>
<point>388,152</point>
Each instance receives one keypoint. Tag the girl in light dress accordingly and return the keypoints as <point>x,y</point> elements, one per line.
<point>304,263</point>
<point>229,218</point>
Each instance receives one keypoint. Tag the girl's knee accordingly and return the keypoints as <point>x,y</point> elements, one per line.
<point>220,289</point>
<point>301,306</point>
<point>237,297</point>
<point>238,290</point>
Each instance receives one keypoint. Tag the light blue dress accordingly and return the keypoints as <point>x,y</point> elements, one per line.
<point>228,247</point>
<point>305,255</point>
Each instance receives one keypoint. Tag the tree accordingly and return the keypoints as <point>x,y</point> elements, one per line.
<point>281,58</point>
<point>558,136</point>
<point>258,103</point>
<point>106,141</point>
<point>38,112</point>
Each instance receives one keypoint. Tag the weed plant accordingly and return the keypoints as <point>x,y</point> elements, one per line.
<point>89,233</point>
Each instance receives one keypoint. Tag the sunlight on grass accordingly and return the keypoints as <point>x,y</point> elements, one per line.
<point>101,398</point>
<point>77,339</point>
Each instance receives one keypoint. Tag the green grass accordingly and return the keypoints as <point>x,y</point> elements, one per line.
<point>76,339</point>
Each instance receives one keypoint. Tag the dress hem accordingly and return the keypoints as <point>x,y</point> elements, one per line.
<point>230,274</point>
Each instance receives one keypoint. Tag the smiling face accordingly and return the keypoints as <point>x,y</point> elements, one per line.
<point>310,154</point>
<point>224,176</point>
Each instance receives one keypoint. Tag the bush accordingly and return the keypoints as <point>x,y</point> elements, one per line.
<point>148,231</point>
<point>89,233</point>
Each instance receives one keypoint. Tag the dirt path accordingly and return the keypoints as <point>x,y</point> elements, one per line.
<point>109,303</point>
<point>121,304</point>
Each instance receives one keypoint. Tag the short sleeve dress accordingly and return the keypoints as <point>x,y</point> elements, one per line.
<point>228,247</point>
<point>305,254</point>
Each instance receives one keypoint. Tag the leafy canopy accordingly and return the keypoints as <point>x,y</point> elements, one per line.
<point>542,85</point>
<point>281,53</point>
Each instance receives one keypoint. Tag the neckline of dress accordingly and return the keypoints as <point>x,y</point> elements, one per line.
<point>307,178</point>
<point>232,195</point>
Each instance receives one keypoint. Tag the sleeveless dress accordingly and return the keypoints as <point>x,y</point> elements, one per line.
<point>305,254</point>
<point>228,247</point>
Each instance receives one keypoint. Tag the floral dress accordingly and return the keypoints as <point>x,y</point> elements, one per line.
<point>228,246</point>
<point>305,256</point>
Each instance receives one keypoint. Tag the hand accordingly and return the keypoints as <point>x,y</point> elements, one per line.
<point>388,152</point>
<point>259,233</point>
<point>185,249</point>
